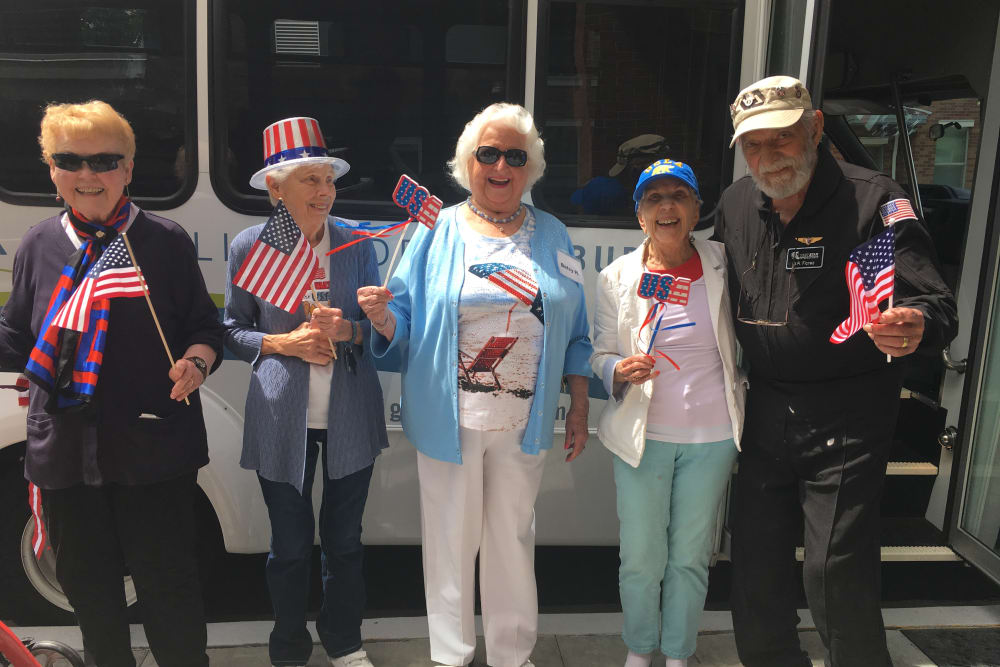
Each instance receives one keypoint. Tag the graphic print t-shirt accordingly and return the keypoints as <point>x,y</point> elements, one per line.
<point>500,326</point>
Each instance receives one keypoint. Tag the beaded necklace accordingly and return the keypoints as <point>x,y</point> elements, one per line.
<point>497,222</point>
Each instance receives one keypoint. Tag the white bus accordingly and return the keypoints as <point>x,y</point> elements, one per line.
<point>393,82</point>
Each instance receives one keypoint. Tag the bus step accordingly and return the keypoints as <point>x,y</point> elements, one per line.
<point>911,468</point>
<point>907,554</point>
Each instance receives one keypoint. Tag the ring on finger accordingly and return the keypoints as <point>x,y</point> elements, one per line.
<point>906,341</point>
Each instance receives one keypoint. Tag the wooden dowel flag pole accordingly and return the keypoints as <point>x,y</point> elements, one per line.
<point>888,357</point>
<point>149,302</point>
<point>388,269</point>
<point>333,348</point>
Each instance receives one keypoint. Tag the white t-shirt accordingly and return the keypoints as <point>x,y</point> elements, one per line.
<point>500,328</point>
<point>688,405</point>
<point>320,376</point>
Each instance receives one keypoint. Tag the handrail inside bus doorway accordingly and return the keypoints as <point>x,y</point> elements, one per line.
<point>911,169</point>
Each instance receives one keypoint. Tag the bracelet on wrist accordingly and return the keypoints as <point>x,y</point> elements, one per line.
<point>385,320</point>
<point>355,330</point>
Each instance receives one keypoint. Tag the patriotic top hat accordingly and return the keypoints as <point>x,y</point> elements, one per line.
<point>295,142</point>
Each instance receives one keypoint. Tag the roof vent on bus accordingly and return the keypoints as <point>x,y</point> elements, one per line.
<point>296,37</point>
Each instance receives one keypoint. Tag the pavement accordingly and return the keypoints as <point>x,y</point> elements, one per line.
<point>565,640</point>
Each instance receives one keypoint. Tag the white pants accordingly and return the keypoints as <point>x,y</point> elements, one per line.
<point>485,505</point>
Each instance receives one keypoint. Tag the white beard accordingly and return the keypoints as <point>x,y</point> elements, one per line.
<point>780,187</point>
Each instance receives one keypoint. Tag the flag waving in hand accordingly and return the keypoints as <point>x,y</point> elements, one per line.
<point>280,264</point>
<point>112,275</point>
<point>871,270</point>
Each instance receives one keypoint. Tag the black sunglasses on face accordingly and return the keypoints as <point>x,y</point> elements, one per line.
<point>98,163</point>
<point>489,154</point>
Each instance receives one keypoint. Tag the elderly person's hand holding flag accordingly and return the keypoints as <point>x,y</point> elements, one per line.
<point>111,450</point>
<point>299,410</point>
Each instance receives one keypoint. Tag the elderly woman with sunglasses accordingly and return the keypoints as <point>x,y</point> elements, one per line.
<point>487,314</point>
<point>112,442</point>
<point>665,348</point>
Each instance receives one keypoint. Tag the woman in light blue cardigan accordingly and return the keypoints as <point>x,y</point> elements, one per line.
<point>487,316</point>
<point>307,403</point>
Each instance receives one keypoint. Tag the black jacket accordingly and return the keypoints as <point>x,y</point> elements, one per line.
<point>840,211</point>
<point>113,442</point>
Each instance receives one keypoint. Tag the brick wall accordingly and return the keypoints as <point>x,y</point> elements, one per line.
<point>924,147</point>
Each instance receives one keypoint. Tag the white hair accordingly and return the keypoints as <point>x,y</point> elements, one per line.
<point>808,121</point>
<point>513,116</point>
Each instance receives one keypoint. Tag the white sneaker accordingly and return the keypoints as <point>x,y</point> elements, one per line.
<point>357,659</point>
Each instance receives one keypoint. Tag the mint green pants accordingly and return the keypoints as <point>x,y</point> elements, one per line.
<point>667,509</point>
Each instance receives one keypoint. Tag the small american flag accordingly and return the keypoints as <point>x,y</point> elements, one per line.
<point>514,281</point>
<point>895,210</point>
<point>112,275</point>
<point>280,263</point>
<point>870,279</point>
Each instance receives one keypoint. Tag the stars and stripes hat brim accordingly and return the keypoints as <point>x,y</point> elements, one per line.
<point>295,142</point>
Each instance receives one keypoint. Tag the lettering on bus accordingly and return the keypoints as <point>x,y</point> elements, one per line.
<point>602,255</point>
<point>580,253</point>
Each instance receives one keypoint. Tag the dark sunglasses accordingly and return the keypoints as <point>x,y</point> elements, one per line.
<point>98,163</point>
<point>489,154</point>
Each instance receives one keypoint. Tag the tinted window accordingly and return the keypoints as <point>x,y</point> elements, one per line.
<point>134,55</point>
<point>615,71</point>
<point>392,84</point>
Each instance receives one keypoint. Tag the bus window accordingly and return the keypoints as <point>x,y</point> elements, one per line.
<point>623,84</point>
<point>133,55</point>
<point>391,83</point>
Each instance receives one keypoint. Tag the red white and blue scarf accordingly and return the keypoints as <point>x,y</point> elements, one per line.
<point>64,362</point>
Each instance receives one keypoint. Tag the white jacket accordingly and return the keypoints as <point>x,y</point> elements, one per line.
<point>620,312</point>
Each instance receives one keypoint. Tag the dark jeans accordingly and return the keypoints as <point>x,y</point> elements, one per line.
<point>292,530</point>
<point>824,464</point>
<point>96,533</point>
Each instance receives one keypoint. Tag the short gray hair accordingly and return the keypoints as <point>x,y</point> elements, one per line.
<point>808,121</point>
<point>504,114</point>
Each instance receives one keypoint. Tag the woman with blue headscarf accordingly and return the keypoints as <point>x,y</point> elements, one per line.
<point>665,348</point>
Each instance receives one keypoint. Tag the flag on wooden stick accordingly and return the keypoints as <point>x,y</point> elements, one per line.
<point>280,264</point>
<point>112,275</point>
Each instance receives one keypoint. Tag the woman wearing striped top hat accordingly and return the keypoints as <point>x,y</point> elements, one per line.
<point>665,348</point>
<point>314,397</point>
<point>115,433</point>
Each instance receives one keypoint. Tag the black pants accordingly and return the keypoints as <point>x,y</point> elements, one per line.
<point>96,533</point>
<point>817,457</point>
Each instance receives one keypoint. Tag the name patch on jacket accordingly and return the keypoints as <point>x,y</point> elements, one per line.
<point>806,257</point>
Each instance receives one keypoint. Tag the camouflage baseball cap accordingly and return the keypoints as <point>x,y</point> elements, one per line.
<point>777,101</point>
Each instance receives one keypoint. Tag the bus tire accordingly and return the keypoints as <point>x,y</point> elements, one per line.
<point>52,654</point>
<point>21,602</point>
<point>35,597</point>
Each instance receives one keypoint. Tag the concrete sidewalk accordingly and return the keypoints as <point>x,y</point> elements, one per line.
<point>565,640</point>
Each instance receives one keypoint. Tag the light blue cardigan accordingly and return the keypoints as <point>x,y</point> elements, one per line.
<point>274,430</point>
<point>426,289</point>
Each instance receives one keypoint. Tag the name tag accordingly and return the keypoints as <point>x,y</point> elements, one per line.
<point>570,266</point>
<point>808,257</point>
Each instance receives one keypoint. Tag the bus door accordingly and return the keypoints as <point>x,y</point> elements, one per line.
<point>974,501</point>
<point>928,118</point>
